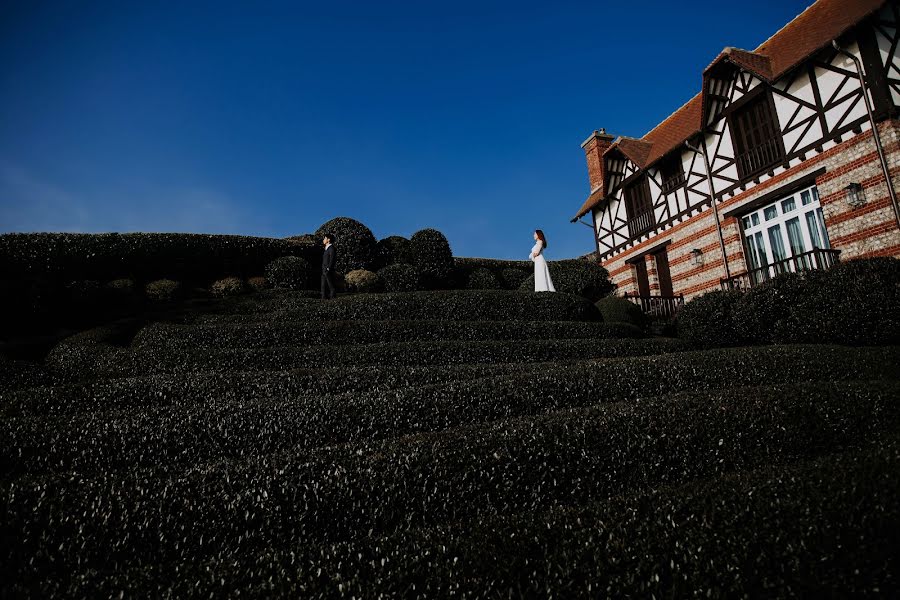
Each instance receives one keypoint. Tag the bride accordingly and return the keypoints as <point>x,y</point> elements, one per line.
<point>542,281</point>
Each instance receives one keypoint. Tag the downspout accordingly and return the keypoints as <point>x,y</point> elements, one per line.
<point>875,135</point>
<point>712,198</point>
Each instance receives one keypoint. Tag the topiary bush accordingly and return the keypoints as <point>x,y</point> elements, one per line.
<point>399,278</point>
<point>576,276</point>
<point>257,284</point>
<point>620,310</point>
<point>124,287</point>
<point>429,252</point>
<point>230,286</point>
<point>482,279</point>
<point>163,290</point>
<point>288,273</point>
<point>354,242</point>
<point>390,250</point>
<point>361,281</point>
<point>708,320</point>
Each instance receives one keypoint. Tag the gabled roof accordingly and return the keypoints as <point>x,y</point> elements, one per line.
<point>790,46</point>
<point>593,200</point>
<point>634,149</point>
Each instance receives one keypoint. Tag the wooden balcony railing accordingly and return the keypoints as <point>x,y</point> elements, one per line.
<point>641,223</point>
<point>759,158</point>
<point>672,183</point>
<point>657,307</point>
<point>816,259</point>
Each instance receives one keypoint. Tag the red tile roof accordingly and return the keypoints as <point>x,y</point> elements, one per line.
<point>592,201</point>
<point>636,150</point>
<point>791,45</point>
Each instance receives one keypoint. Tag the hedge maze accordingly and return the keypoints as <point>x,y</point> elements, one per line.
<point>467,443</point>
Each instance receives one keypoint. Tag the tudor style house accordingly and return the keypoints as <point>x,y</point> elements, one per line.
<point>778,164</point>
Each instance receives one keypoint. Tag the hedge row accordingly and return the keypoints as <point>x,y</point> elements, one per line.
<point>528,386</point>
<point>857,303</point>
<point>467,476</point>
<point>146,360</point>
<point>263,335</point>
<point>199,420</point>
<point>139,256</point>
<point>457,305</point>
<point>575,276</point>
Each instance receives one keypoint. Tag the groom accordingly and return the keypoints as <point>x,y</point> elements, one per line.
<point>329,258</point>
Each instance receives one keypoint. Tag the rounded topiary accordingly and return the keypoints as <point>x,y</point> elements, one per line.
<point>513,278</point>
<point>482,279</point>
<point>288,273</point>
<point>361,281</point>
<point>354,242</point>
<point>390,250</point>
<point>429,252</point>
<point>708,320</point>
<point>230,286</point>
<point>621,310</point>
<point>307,239</point>
<point>163,290</point>
<point>258,283</point>
<point>398,278</point>
<point>575,277</point>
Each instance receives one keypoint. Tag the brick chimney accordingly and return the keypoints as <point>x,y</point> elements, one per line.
<point>594,147</point>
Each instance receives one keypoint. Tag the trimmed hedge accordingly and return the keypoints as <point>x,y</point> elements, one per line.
<point>452,305</point>
<point>620,310</point>
<point>575,276</point>
<point>279,333</point>
<point>354,242</point>
<point>483,279</point>
<point>429,253</point>
<point>230,286</point>
<point>506,470</point>
<point>390,250</point>
<point>856,303</point>
<point>398,278</point>
<point>143,257</point>
<point>163,290</point>
<point>288,273</point>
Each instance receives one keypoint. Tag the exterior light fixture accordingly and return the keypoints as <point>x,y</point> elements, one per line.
<point>856,196</point>
<point>697,255</point>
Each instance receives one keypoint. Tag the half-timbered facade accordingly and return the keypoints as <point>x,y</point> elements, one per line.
<point>778,164</point>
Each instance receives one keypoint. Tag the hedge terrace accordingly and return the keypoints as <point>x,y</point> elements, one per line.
<point>474,443</point>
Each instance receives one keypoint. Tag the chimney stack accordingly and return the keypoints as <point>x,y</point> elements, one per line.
<point>594,147</point>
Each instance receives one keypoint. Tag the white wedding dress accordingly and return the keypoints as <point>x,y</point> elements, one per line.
<point>542,281</point>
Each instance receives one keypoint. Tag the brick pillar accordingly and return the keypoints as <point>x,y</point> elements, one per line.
<point>652,275</point>
<point>594,147</point>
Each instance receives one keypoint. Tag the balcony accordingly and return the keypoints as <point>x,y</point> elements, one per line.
<point>672,183</point>
<point>641,223</point>
<point>658,308</point>
<point>814,260</point>
<point>758,159</point>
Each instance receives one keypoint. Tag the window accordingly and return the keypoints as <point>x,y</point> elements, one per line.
<point>639,207</point>
<point>756,136</point>
<point>672,173</point>
<point>787,232</point>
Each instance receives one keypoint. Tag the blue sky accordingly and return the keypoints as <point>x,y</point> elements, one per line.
<point>268,118</point>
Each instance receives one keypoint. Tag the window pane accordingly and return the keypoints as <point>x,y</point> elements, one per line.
<point>805,197</point>
<point>776,244</point>
<point>771,212</point>
<point>788,205</point>
<point>815,193</point>
<point>825,239</point>
<point>755,218</point>
<point>746,222</point>
<point>795,236</point>
<point>813,226</point>
<point>761,248</point>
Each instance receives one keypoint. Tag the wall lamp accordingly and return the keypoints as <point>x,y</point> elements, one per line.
<point>697,256</point>
<point>856,196</point>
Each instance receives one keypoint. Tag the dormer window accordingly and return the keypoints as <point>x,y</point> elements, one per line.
<point>757,136</point>
<point>671,173</point>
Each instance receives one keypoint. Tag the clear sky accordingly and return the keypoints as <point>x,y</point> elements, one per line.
<point>268,118</point>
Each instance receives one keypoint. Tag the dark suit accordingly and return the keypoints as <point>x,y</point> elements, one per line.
<point>329,259</point>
